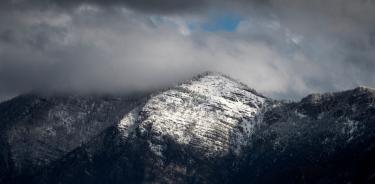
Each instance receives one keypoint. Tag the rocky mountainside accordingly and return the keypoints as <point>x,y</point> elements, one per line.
<point>37,130</point>
<point>211,129</point>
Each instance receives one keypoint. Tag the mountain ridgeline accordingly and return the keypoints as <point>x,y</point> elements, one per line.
<point>211,129</point>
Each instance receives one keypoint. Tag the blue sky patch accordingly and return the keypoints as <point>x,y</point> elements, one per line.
<point>225,22</point>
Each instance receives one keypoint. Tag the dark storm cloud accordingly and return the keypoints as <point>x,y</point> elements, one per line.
<point>158,6</point>
<point>284,48</point>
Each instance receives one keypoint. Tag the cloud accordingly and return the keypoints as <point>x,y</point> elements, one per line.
<point>284,49</point>
<point>158,6</point>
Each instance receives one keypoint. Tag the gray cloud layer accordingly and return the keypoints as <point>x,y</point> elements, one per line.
<point>282,48</point>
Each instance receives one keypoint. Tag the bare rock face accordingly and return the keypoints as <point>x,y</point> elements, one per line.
<point>211,129</point>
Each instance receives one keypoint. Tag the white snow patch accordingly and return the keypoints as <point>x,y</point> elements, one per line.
<point>300,115</point>
<point>213,113</point>
<point>63,119</point>
<point>156,149</point>
<point>127,123</point>
<point>350,127</point>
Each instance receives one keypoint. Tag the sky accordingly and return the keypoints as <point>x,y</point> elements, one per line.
<point>284,49</point>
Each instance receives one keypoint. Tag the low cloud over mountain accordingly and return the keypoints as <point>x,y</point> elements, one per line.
<point>282,48</point>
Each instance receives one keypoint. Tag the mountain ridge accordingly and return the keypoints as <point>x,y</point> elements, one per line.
<point>211,129</point>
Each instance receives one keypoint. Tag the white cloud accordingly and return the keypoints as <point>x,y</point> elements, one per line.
<point>92,48</point>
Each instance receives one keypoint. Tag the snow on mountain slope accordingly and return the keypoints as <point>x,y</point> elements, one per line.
<point>128,122</point>
<point>214,114</point>
<point>36,130</point>
<point>211,129</point>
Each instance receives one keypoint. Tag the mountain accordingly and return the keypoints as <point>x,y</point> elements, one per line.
<point>37,130</point>
<point>211,129</point>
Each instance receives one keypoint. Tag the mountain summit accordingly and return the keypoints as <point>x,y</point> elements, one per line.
<point>211,129</point>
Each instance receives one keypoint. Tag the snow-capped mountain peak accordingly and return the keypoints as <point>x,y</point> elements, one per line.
<point>213,113</point>
<point>211,129</point>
